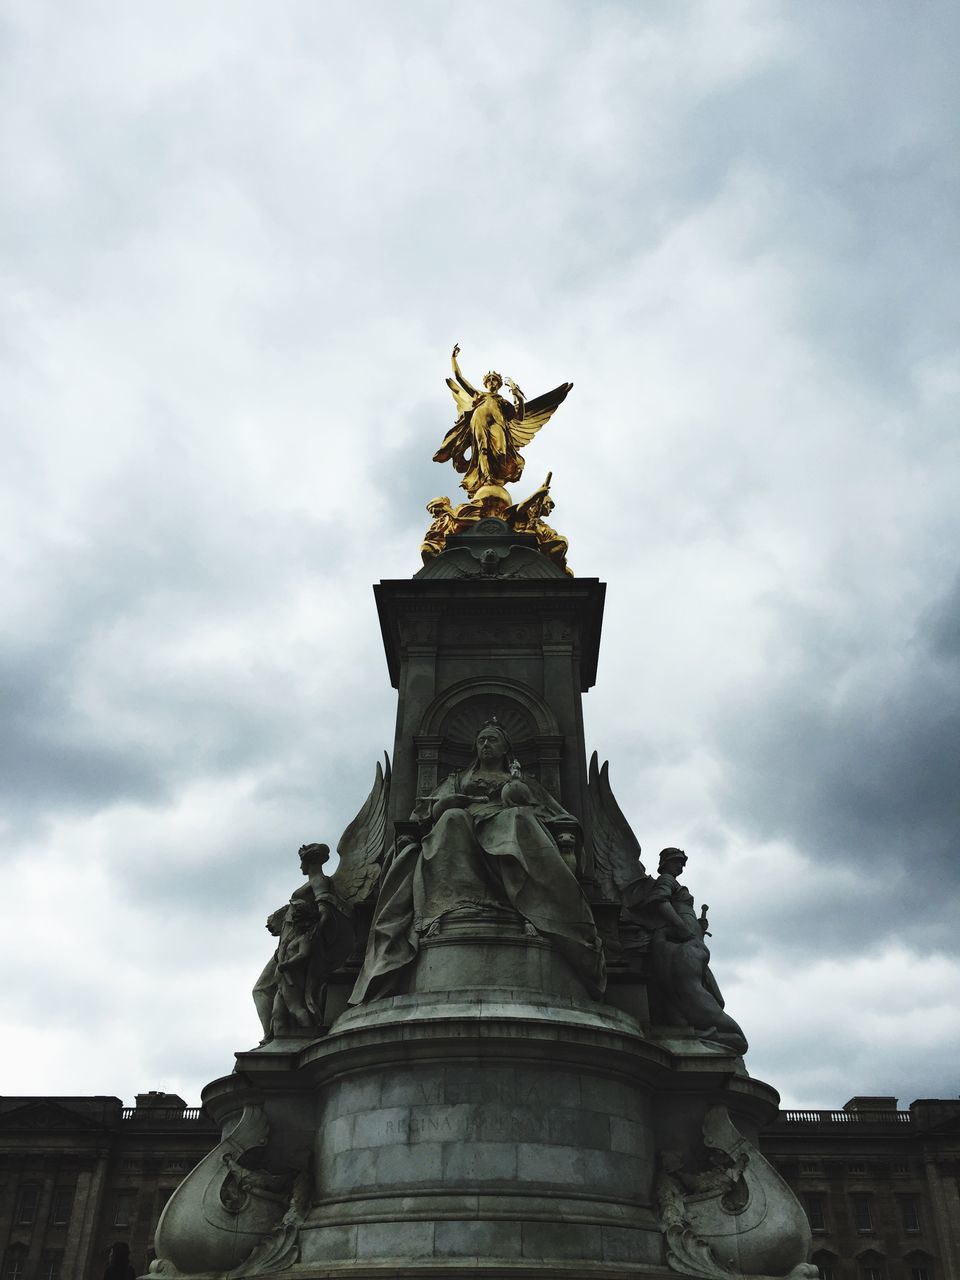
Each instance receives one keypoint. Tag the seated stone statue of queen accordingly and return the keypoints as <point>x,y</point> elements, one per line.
<point>486,842</point>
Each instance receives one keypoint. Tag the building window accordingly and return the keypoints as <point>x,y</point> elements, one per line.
<point>814,1208</point>
<point>900,1166</point>
<point>51,1261</point>
<point>919,1265</point>
<point>810,1166</point>
<point>862,1217</point>
<point>872,1273</point>
<point>27,1206</point>
<point>62,1204</point>
<point>15,1262</point>
<point>910,1213</point>
<point>123,1208</point>
<point>858,1167</point>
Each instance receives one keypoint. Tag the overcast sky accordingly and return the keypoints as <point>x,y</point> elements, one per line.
<point>239,241</point>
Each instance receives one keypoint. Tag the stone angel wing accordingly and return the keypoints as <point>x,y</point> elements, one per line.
<point>361,846</point>
<point>616,850</point>
<point>536,413</point>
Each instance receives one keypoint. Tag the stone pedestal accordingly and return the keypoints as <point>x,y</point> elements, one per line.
<point>488,1117</point>
<point>498,1131</point>
<point>484,951</point>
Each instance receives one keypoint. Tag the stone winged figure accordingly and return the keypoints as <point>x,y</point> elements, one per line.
<point>315,929</point>
<point>485,441</point>
<point>679,957</point>
<point>658,920</point>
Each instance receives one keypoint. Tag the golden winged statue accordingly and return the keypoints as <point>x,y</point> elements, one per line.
<point>485,441</point>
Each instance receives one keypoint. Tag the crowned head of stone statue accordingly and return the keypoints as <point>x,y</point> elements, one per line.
<point>493,746</point>
<point>313,856</point>
<point>672,861</point>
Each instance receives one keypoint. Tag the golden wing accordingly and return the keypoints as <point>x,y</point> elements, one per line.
<point>463,397</point>
<point>527,511</point>
<point>536,413</point>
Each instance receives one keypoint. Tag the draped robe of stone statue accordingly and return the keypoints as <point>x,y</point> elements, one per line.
<point>488,845</point>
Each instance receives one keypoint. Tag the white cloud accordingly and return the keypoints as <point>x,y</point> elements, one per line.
<point>823,1026</point>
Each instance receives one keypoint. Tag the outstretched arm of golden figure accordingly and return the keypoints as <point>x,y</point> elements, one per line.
<point>458,374</point>
<point>460,379</point>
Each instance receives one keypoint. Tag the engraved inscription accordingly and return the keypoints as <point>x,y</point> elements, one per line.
<point>483,1122</point>
<point>418,1127</point>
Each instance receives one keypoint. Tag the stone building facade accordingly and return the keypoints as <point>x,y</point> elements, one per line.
<point>881,1186</point>
<point>78,1174</point>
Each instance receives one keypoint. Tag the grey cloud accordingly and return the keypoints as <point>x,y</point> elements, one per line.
<point>241,874</point>
<point>862,194</point>
<point>238,869</point>
<point>53,757</point>
<point>860,769</point>
<point>940,626</point>
<point>805,1076</point>
<point>226,251</point>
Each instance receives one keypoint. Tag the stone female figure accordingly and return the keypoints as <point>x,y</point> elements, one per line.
<point>486,843</point>
<point>679,956</point>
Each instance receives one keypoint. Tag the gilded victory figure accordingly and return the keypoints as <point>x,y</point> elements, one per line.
<point>485,441</point>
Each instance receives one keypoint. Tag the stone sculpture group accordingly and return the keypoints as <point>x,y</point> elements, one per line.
<point>488,838</point>
<point>491,1039</point>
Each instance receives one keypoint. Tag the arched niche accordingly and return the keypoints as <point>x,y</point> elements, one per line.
<point>448,730</point>
<point>920,1265</point>
<point>872,1265</point>
<point>827,1264</point>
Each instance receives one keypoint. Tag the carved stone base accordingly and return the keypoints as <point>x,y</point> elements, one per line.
<point>731,1215</point>
<point>509,1127</point>
<point>481,1131</point>
<point>481,950</point>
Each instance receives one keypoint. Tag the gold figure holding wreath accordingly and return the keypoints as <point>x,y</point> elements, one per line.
<point>485,441</point>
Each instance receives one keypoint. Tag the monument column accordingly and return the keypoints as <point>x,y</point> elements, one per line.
<point>462,648</point>
<point>446,1083</point>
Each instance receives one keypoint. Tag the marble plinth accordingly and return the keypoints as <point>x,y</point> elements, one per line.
<point>452,1139</point>
<point>502,1131</point>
